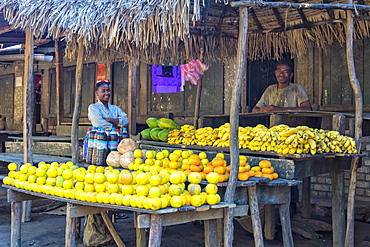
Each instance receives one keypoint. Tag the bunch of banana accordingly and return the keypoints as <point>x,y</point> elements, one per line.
<point>337,143</point>
<point>279,128</point>
<point>245,136</point>
<point>206,136</point>
<point>188,134</point>
<point>223,136</point>
<point>175,136</point>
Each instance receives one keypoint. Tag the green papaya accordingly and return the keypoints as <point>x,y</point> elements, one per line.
<point>166,123</point>
<point>154,133</point>
<point>146,134</point>
<point>152,122</point>
<point>162,135</point>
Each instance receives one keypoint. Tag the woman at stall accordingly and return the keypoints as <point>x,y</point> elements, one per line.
<point>104,114</point>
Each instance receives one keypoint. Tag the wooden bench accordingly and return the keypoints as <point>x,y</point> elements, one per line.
<point>18,158</point>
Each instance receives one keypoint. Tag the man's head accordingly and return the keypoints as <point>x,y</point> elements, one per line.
<point>102,91</point>
<point>284,71</point>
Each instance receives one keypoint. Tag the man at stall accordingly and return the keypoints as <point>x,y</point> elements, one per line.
<point>283,96</point>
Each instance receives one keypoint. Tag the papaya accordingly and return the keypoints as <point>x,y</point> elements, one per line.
<point>166,123</point>
<point>146,134</point>
<point>154,133</point>
<point>152,122</point>
<point>162,135</point>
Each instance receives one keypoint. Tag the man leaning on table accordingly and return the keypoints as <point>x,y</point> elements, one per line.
<point>285,95</point>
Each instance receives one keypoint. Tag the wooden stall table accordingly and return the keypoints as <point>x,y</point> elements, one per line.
<point>4,134</point>
<point>153,219</point>
<point>293,167</point>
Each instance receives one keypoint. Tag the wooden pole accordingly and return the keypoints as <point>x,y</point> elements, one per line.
<point>286,5</point>
<point>255,215</point>
<point>112,230</point>
<point>15,224</point>
<point>70,237</point>
<point>132,96</point>
<point>349,240</point>
<point>59,80</point>
<point>77,109</point>
<point>234,123</point>
<point>155,234</point>
<point>28,112</point>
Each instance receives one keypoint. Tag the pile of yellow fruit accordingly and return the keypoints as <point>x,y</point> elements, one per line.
<point>280,139</point>
<point>153,190</point>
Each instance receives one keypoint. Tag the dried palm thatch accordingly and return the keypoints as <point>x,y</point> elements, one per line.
<point>173,31</point>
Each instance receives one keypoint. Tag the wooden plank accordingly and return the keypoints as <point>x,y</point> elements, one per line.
<point>29,124</point>
<point>272,194</point>
<point>46,148</point>
<point>15,196</point>
<point>269,227</point>
<point>338,209</point>
<point>59,80</point>
<point>77,107</point>
<point>306,198</point>
<point>285,224</point>
<point>155,233</point>
<point>79,211</point>
<point>15,224</point>
<point>300,5</point>
<point>366,80</point>
<point>18,158</point>
<point>255,215</point>
<point>177,218</point>
<point>112,230</point>
<point>70,238</point>
<point>140,232</point>
<point>240,210</point>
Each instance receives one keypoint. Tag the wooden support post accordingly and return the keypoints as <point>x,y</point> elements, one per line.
<point>285,224</point>
<point>59,80</point>
<point>234,125</point>
<point>197,103</point>
<point>211,237</point>
<point>349,240</point>
<point>70,238</point>
<point>28,113</point>
<point>77,108</point>
<point>255,215</point>
<point>269,227</point>
<point>15,225</point>
<point>78,227</point>
<point>321,76</point>
<point>306,197</point>
<point>140,233</point>
<point>132,96</point>
<point>112,230</point>
<point>155,235</point>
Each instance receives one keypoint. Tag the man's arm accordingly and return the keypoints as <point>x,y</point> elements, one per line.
<point>305,106</point>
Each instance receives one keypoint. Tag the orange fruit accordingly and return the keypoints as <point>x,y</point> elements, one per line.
<point>220,169</point>
<point>270,176</point>
<point>256,169</point>
<point>173,165</point>
<point>185,166</point>
<point>251,173</point>
<point>126,178</point>
<point>195,168</point>
<point>268,170</point>
<point>257,174</point>
<point>264,164</point>
<point>187,172</point>
<point>223,178</point>
<point>243,176</point>
<point>217,162</point>
<point>228,168</point>
<point>275,175</point>
<point>203,175</point>
<point>194,159</point>
<point>208,169</point>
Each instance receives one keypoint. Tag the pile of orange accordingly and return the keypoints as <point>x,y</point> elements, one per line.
<point>265,169</point>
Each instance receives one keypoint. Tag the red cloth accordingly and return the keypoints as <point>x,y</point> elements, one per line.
<point>192,72</point>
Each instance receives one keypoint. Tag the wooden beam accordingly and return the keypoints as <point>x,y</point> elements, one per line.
<point>329,11</point>
<point>132,96</point>
<point>301,14</point>
<point>15,224</point>
<point>255,19</point>
<point>6,29</point>
<point>278,17</point>
<point>70,237</point>
<point>234,123</point>
<point>28,112</point>
<point>112,230</point>
<point>286,5</point>
<point>59,80</point>
<point>77,108</point>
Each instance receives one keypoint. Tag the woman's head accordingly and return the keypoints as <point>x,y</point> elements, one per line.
<point>102,90</point>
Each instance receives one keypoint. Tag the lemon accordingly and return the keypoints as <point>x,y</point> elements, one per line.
<point>175,190</point>
<point>212,199</point>
<point>99,178</point>
<point>202,155</point>
<point>155,192</point>
<point>126,200</point>
<point>194,189</point>
<point>142,179</point>
<point>213,178</point>
<point>112,188</point>
<point>67,174</point>
<point>142,190</point>
<point>138,153</point>
<point>40,172</point>
<point>196,200</point>
<point>211,189</point>
<point>89,187</point>
<point>176,178</point>
<point>194,177</point>
<point>12,166</point>
<point>176,201</point>
<point>100,187</point>
<point>118,199</point>
<point>155,203</point>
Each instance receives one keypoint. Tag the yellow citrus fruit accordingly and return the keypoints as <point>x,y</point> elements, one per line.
<point>23,169</point>
<point>175,190</point>
<point>146,204</point>
<point>173,157</point>
<point>133,199</point>
<point>140,201</point>
<point>12,166</point>
<point>194,189</point>
<point>155,180</point>
<point>91,168</point>
<point>155,192</point>
<point>67,174</point>
<point>59,182</point>
<point>160,156</point>
<point>126,200</point>
<point>176,178</point>
<point>211,189</point>
<point>80,176</point>
<point>138,153</point>
<point>212,199</point>
<point>112,177</point>
<point>118,199</point>
<point>194,177</point>
<point>142,179</point>
<point>60,171</point>
<point>166,153</point>
<point>202,155</point>
<point>23,177</point>
<point>112,198</point>
<point>126,178</point>
<point>196,200</point>
<point>79,185</point>
<point>100,169</point>
<point>213,177</point>
<point>89,178</point>
<point>176,201</point>
<point>142,190</point>
<point>67,184</point>
<point>89,187</point>
<point>220,155</point>
<point>99,178</point>
<point>51,181</point>
<point>41,180</point>
<point>164,202</point>
<point>127,189</point>
<point>112,188</point>
<point>99,187</point>
<point>185,154</point>
<point>150,154</point>
<point>155,203</point>
<point>17,174</point>
<point>40,171</point>
<point>105,198</point>
<point>52,172</point>
<point>32,170</point>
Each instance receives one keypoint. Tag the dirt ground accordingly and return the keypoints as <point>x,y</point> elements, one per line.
<point>49,230</point>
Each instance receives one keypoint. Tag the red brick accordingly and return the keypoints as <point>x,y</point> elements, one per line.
<point>363,184</point>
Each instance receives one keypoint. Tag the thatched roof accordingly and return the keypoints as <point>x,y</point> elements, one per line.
<point>175,30</point>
